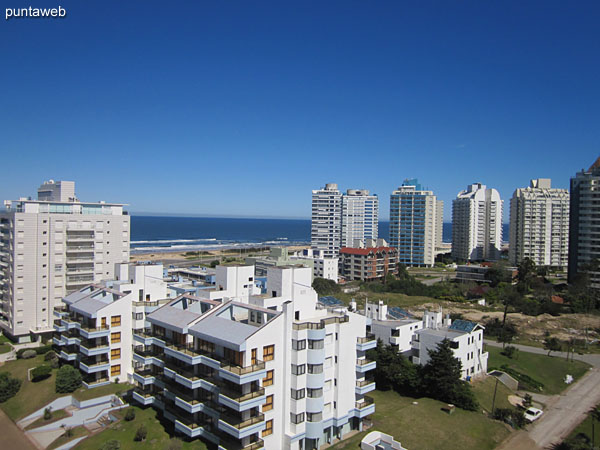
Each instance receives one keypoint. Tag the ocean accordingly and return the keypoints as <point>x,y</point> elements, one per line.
<point>174,234</point>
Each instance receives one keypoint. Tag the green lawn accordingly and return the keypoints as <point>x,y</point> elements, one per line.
<point>4,339</point>
<point>56,415</point>
<point>5,348</point>
<point>124,432</point>
<point>62,440</point>
<point>426,427</point>
<point>549,370</point>
<point>484,391</point>
<point>390,298</point>
<point>84,393</point>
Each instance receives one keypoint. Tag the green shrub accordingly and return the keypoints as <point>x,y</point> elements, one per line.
<point>50,356</point>
<point>9,386</point>
<point>525,381</point>
<point>508,351</point>
<point>113,444</point>
<point>48,413</point>
<point>26,353</point>
<point>68,379</point>
<point>41,373</point>
<point>130,415</point>
<point>43,349</point>
<point>140,434</point>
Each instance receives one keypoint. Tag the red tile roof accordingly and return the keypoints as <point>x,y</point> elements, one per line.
<point>365,251</point>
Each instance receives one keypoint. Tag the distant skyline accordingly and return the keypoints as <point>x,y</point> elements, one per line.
<point>240,109</point>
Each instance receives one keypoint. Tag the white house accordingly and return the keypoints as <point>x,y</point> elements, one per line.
<point>393,326</point>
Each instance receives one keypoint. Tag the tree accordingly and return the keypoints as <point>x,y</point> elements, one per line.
<point>130,415</point>
<point>48,413</point>
<point>394,371</point>
<point>68,379</point>
<point>140,434</point>
<point>325,287</point>
<point>9,386</point>
<point>552,344</point>
<point>41,373</point>
<point>441,378</point>
<point>498,273</point>
<point>509,296</point>
<point>595,415</point>
<point>527,273</point>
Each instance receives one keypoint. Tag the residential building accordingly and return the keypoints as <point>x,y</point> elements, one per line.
<point>278,256</point>
<point>360,216</point>
<point>539,225</point>
<point>368,261</point>
<point>327,268</point>
<point>251,371</point>
<point>93,331</point>
<point>478,272</point>
<point>326,224</point>
<point>393,326</point>
<point>416,218</point>
<point>477,224</point>
<point>466,341</point>
<point>51,247</point>
<point>584,223</point>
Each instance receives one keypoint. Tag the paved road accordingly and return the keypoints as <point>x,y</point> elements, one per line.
<point>590,358</point>
<point>12,436</point>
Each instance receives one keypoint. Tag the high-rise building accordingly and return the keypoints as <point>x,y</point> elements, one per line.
<point>326,226</point>
<point>415,224</point>
<point>477,224</point>
<point>360,217</point>
<point>539,224</point>
<point>584,222</point>
<point>248,370</point>
<point>51,247</point>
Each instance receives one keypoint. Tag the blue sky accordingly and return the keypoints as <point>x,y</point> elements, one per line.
<point>240,108</point>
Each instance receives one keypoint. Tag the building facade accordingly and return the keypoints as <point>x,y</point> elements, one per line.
<point>539,225</point>
<point>251,371</point>
<point>326,221</point>
<point>368,261</point>
<point>416,218</point>
<point>584,223</point>
<point>51,247</point>
<point>477,224</point>
<point>360,216</point>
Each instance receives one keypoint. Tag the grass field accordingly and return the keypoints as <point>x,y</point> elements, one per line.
<point>5,348</point>
<point>62,440</point>
<point>390,298</point>
<point>549,370</point>
<point>426,427</point>
<point>56,415</point>
<point>124,432</point>
<point>484,391</point>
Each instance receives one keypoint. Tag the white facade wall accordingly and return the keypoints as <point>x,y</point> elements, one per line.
<point>325,233</point>
<point>360,217</point>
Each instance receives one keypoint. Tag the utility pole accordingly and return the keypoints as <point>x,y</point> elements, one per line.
<point>494,399</point>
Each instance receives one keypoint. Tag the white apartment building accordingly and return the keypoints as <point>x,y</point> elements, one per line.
<point>477,224</point>
<point>94,326</point>
<point>393,326</point>
<point>51,247</point>
<point>416,218</point>
<point>251,371</point>
<point>326,224</point>
<point>584,226</point>
<point>360,216</point>
<point>539,225</point>
<point>466,340</point>
<point>327,268</point>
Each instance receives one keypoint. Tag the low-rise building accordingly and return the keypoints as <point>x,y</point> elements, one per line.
<point>466,340</point>
<point>368,261</point>
<point>327,268</point>
<point>393,326</point>
<point>247,370</point>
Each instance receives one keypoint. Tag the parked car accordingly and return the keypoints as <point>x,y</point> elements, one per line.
<point>532,414</point>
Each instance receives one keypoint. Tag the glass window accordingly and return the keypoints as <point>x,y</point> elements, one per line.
<point>268,405</point>
<point>298,369</point>
<point>268,353</point>
<point>298,345</point>
<point>268,380</point>
<point>297,394</point>
<point>115,338</point>
<point>297,418</point>
<point>268,428</point>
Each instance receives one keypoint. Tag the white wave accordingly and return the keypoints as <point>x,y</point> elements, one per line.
<point>200,247</point>
<point>173,241</point>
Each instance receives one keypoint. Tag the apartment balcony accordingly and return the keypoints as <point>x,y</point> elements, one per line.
<point>94,332</point>
<point>94,367</point>
<point>58,326</point>
<point>69,340</point>
<point>69,323</point>
<point>363,365</point>
<point>79,270</point>
<point>241,375</point>
<point>366,343</point>
<point>189,379</point>
<point>144,377</point>
<point>364,386</point>
<point>80,259</point>
<point>60,311</point>
<point>147,339</point>
<point>89,349</point>
<point>364,407</point>
<point>79,248</point>
<point>242,402</point>
<point>241,428</point>
<point>185,353</point>
<point>68,355</point>
<point>148,357</point>
<point>57,341</point>
<point>103,381</point>
<point>226,444</point>
<point>144,398</point>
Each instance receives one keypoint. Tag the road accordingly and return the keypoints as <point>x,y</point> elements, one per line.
<point>12,436</point>
<point>592,359</point>
<point>563,412</point>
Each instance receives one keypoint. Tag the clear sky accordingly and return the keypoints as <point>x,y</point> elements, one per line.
<point>240,108</point>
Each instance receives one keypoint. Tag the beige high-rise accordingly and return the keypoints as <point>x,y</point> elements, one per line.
<point>51,247</point>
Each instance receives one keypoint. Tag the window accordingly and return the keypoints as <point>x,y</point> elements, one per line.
<point>115,353</point>
<point>115,370</point>
<point>315,344</point>
<point>298,370</point>
<point>315,368</point>
<point>268,405</point>
<point>314,393</point>
<point>314,417</point>
<point>268,380</point>
<point>268,428</point>
<point>297,418</point>
<point>454,344</point>
<point>115,321</point>
<point>298,345</point>
<point>268,353</point>
<point>137,316</point>
<point>297,394</point>
<point>115,338</point>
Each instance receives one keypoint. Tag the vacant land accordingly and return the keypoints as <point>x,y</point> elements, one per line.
<point>548,370</point>
<point>390,298</point>
<point>426,427</point>
<point>484,391</point>
<point>124,432</point>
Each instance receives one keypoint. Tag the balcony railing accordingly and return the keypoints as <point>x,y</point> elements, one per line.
<point>239,423</point>
<point>363,362</point>
<point>238,370</point>
<point>231,444</point>
<point>94,329</point>
<point>362,383</point>
<point>366,401</point>
<point>367,338</point>
<point>239,397</point>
